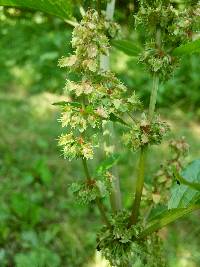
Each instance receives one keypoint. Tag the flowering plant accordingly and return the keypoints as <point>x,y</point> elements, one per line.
<point>100,97</point>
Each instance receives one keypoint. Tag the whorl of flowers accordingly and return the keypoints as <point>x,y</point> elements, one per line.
<point>116,242</point>
<point>167,28</point>
<point>90,190</point>
<point>120,245</point>
<point>99,95</point>
<point>144,133</point>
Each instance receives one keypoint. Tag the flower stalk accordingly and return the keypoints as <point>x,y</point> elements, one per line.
<point>99,203</point>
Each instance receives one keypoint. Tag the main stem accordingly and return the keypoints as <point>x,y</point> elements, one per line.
<point>139,186</point>
<point>142,159</point>
<point>153,97</point>
<point>98,200</point>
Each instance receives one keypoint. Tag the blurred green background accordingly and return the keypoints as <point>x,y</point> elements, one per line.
<point>40,223</point>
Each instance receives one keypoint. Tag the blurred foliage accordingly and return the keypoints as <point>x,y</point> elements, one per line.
<point>38,217</point>
<point>31,46</point>
<point>60,8</point>
<point>181,91</point>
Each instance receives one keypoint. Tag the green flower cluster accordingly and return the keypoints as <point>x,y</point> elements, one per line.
<point>167,28</point>
<point>120,244</point>
<point>144,133</point>
<point>99,95</point>
<point>76,146</point>
<point>116,242</point>
<point>90,190</point>
<point>158,61</point>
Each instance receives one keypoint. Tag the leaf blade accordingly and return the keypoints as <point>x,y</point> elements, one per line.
<point>66,103</point>
<point>108,163</point>
<point>182,180</point>
<point>167,218</point>
<point>187,49</point>
<point>127,47</point>
<point>59,8</point>
<point>182,195</point>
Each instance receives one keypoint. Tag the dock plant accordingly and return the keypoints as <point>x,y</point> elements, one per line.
<point>128,235</point>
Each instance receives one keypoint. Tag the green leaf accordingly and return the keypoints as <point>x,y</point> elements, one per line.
<point>182,180</point>
<point>108,163</point>
<point>166,218</point>
<point>59,8</point>
<point>186,49</point>
<point>65,103</point>
<point>126,46</point>
<point>182,195</point>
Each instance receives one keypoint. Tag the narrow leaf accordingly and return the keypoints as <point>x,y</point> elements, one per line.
<point>108,163</point>
<point>59,8</point>
<point>65,103</point>
<point>166,218</point>
<point>186,49</point>
<point>127,46</point>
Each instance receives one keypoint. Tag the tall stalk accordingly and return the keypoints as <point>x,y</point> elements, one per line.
<point>143,151</point>
<point>153,97</point>
<point>139,186</point>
